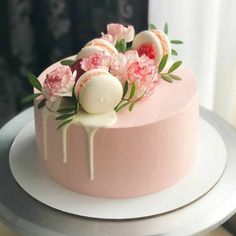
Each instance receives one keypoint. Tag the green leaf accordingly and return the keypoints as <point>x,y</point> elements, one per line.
<point>121,46</point>
<point>151,26</point>
<point>67,62</point>
<point>133,103</point>
<point>29,98</point>
<point>175,66</point>
<point>162,63</point>
<point>64,117</point>
<point>121,106</point>
<point>166,28</point>
<point>33,80</point>
<point>175,77</point>
<point>66,110</point>
<point>132,91</point>
<point>167,78</point>
<point>125,89</point>
<point>176,41</point>
<point>131,106</point>
<point>173,52</point>
<point>64,123</point>
<point>41,103</point>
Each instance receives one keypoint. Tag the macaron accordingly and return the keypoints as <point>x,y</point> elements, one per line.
<point>98,91</point>
<point>96,45</point>
<point>153,43</point>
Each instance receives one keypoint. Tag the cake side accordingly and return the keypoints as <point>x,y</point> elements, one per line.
<point>138,155</point>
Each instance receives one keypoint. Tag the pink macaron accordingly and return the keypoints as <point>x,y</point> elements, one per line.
<point>153,43</point>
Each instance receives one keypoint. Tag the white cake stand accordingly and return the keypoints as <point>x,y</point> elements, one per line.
<point>30,217</point>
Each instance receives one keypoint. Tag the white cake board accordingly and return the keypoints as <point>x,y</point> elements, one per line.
<point>30,175</point>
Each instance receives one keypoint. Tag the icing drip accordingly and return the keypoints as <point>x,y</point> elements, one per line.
<point>45,115</point>
<point>90,134</point>
<point>91,124</point>
<point>64,142</point>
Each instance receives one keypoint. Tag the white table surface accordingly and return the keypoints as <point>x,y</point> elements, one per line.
<point>29,217</point>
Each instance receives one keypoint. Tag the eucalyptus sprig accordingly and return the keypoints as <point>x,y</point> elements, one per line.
<point>35,83</point>
<point>67,113</point>
<point>128,101</point>
<point>168,76</point>
<point>151,26</point>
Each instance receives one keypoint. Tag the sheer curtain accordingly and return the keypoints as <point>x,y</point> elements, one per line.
<point>208,29</point>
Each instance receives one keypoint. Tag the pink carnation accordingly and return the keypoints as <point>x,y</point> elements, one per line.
<point>139,70</point>
<point>58,83</point>
<point>97,60</point>
<point>118,32</point>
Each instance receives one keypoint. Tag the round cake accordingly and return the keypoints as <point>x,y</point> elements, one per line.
<point>119,141</point>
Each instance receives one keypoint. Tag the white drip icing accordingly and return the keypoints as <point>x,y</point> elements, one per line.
<point>45,115</point>
<point>64,142</point>
<point>91,124</point>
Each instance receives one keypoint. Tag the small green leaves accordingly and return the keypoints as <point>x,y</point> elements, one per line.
<point>175,66</point>
<point>170,77</point>
<point>66,110</point>
<point>167,78</point>
<point>64,116</point>
<point>176,42</point>
<point>166,28</point>
<point>125,89</point>
<point>33,80</point>
<point>121,46</point>
<point>125,102</point>
<point>174,52</point>
<point>132,91</point>
<point>151,27</point>
<point>162,63</point>
<point>29,98</point>
<point>67,62</point>
<point>64,123</point>
<point>174,77</point>
<point>131,106</point>
<point>120,105</point>
<point>42,103</point>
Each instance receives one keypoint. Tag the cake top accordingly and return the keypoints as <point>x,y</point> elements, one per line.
<point>113,72</point>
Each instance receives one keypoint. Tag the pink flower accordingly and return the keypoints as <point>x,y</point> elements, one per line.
<point>139,70</point>
<point>58,83</point>
<point>118,32</point>
<point>97,60</point>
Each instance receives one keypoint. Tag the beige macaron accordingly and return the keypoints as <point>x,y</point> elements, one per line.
<point>96,45</point>
<point>98,91</point>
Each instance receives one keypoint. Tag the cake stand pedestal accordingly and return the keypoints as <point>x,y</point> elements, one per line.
<point>27,216</point>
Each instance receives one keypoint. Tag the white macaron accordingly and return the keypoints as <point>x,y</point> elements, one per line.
<point>96,45</point>
<point>153,38</point>
<point>98,91</point>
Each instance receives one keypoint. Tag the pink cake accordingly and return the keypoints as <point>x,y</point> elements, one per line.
<point>108,150</point>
